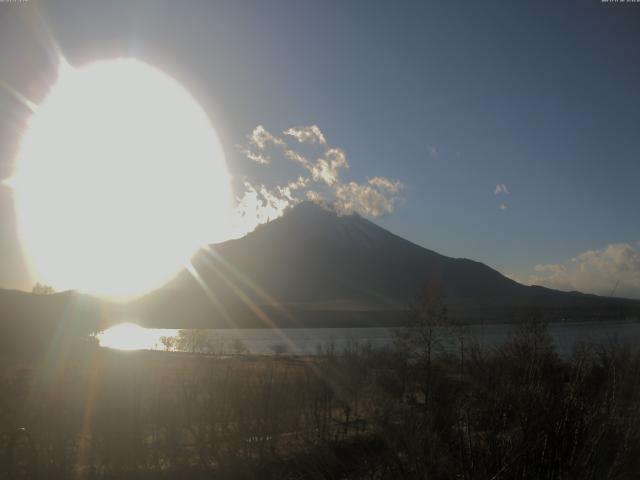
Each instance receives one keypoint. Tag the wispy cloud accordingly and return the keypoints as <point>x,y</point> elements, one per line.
<point>501,188</point>
<point>326,168</point>
<point>392,186</point>
<point>258,143</point>
<point>257,157</point>
<point>257,205</point>
<point>617,266</point>
<point>308,134</point>
<point>375,198</point>
<point>321,181</point>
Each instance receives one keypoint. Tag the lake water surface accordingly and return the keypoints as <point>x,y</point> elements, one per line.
<point>311,341</point>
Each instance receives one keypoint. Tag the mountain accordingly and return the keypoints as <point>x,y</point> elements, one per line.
<point>312,267</point>
<point>31,323</point>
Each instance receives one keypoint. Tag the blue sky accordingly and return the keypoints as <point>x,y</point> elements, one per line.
<point>449,98</point>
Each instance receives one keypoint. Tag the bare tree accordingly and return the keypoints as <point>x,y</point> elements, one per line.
<point>427,316</point>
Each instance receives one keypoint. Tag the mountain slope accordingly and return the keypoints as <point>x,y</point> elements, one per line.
<point>313,267</point>
<point>32,323</point>
<point>308,268</point>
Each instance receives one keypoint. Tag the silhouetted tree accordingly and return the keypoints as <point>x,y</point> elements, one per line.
<point>42,289</point>
<point>279,348</point>
<point>239,347</point>
<point>427,317</point>
<point>169,343</point>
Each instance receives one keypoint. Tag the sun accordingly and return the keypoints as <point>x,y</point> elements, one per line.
<point>120,177</point>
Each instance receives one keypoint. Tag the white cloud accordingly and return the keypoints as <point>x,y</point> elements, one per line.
<point>315,197</point>
<point>324,169</point>
<point>307,134</point>
<point>261,138</point>
<point>386,184</point>
<point>322,182</point>
<point>258,142</point>
<point>257,206</point>
<point>375,198</point>
<point>327,168</point>
<point>256,157</point>
<point>593,271</point>
<point>501,188</point>
<point>289,190</point>
<point>298,158</point>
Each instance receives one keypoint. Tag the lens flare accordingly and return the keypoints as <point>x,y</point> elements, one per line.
<point>120,177</point>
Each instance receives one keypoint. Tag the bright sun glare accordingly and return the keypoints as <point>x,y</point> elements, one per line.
<point>129,336</point>
<point>120,178</point>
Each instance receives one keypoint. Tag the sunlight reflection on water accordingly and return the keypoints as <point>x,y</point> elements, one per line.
<point>129,336</point>
<point>311,341</point>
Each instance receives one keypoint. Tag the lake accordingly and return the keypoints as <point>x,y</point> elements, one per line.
<point>311,341</point>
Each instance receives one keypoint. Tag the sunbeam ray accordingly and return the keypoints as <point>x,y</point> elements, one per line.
<point>250,283</point>
<point>22,99</point>
<point>249,303</point>
<point>210,295</point>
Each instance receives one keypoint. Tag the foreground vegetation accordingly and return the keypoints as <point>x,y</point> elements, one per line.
<point>414,411</point>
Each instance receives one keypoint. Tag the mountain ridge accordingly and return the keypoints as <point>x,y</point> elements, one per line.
<point>314,263</point>
<point>313,267</point>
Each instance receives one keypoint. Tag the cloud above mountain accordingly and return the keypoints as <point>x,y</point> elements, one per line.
<point>309,134</point>
<point>613,269</point>
<point>319,178</point>
<point>501,188</point>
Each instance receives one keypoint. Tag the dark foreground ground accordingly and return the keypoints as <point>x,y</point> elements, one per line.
<point>410,412</point>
